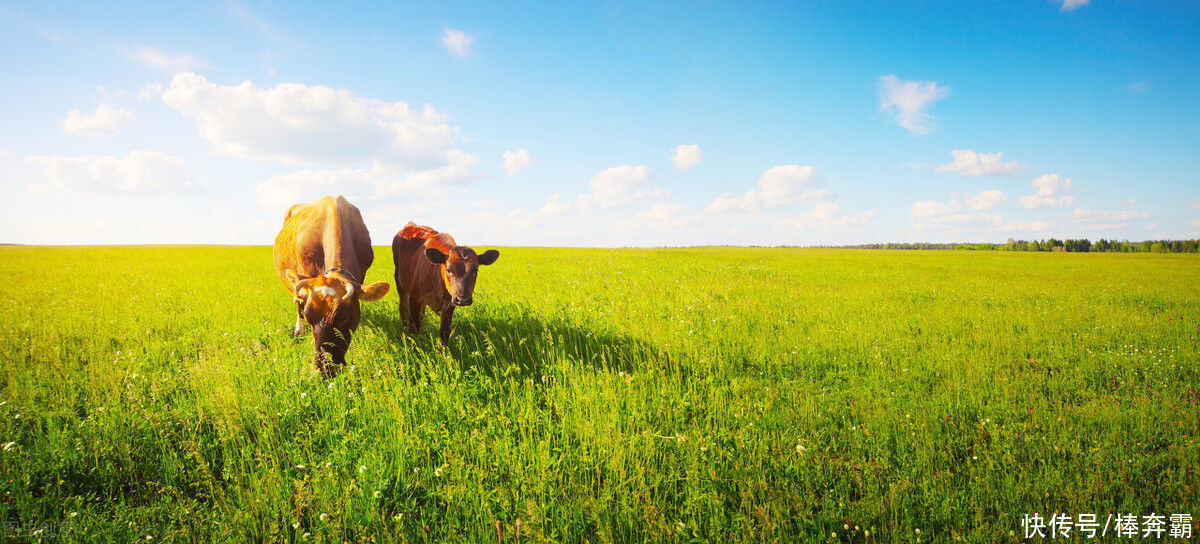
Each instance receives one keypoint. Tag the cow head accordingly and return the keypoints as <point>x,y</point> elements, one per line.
<point>329,303</point>
<point>459,268</point>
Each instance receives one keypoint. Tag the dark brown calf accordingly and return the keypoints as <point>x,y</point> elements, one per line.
<point>433,271</point>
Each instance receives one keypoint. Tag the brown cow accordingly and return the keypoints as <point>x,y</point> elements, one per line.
<point>433,271</point>
<point>322,256</point>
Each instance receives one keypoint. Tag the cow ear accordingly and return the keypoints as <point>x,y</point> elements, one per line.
<point>488,257</point>
<point>375,291</point>
<point>435,256</point>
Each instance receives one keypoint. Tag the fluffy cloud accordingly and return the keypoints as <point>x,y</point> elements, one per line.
<point>1031,226</point>
<point>1053,191</point>
<point>457,42</point>
<point>138,172</point>
<point>963,211</point>
<point>970,163</point>
<point>828,216</point>
<point>1104,220</point>
<point>307,185</point>
<point>617,186</point>
<point>303,124</point>
<point>161,60</point>
<point>685,156</point>
<point>1069,5</point>
<point>515,161</point>
<point>781,186</point>
<point>931,208</point>
<point>986,200</point>
<point>907,101</point>
<point>104,120</point>
<point>555,204</point>
<point>374,183</point>
<point>662,211</point>
<point>620,190</point>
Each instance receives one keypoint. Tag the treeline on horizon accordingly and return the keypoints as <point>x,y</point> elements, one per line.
<point>1074,246</point>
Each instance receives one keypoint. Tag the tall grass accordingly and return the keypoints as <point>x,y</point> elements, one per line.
<point>714,394</point>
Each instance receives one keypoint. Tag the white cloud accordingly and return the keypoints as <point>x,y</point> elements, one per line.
<point>1195,203</point>
<point>304,124</point>
<point>617,186</point>
<point>104,92</point>
<point>515,161</point>
<point>150,91</point>
<point>1030,226</point>
<point>1053,191</point>
<point>161,60</point>
<point>1104,220</point>
<point>307,185</point>
<point>1069,5</point>
<point>106,119</point>
<point>970,163</point>
<point>781,185</point>
<point>377,182</point>
<point>662,211</point>
<point>907,101</point>
<point>1129,202</point>
<point>1084,215</point>
<point>616,193</point>
<point>139,172</point>
<point>459,167</point>
<point>962,211</point>
<point>931,208</point>
<point>792,189</point>
<point>457,42</point>
<point>828,216</point>
<point>986,200</point>
<point>555,205</point>
<point>1196,222</point>
<point>685,156</point>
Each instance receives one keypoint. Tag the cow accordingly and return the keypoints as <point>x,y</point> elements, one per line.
<point>322,255</point>
<point>433,271</point>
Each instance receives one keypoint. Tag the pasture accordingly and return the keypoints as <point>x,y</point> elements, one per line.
<point>712,394</point>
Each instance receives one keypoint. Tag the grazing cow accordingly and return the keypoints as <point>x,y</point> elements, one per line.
<point>433,271</point>
<point>322,256</point>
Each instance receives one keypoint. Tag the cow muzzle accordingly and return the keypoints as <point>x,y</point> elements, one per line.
<point>461,301</point>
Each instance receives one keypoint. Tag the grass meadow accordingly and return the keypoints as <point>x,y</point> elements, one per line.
<point>680,395</point>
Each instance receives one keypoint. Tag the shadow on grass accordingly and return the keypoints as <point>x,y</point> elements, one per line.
<point>520,342</point>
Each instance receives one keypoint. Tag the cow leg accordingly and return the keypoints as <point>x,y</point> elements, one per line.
<point>416,314</point>
<point>405,314</point>
<point>445,331</point>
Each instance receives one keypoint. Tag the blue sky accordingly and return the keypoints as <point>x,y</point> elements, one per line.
<point>656,124</point>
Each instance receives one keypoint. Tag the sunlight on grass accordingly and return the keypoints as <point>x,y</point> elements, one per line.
<point>603,395</point>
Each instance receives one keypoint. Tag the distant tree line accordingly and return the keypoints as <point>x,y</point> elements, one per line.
<point>1075,246</point>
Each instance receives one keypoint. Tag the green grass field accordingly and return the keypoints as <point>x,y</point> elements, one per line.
<point>602,396</point>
